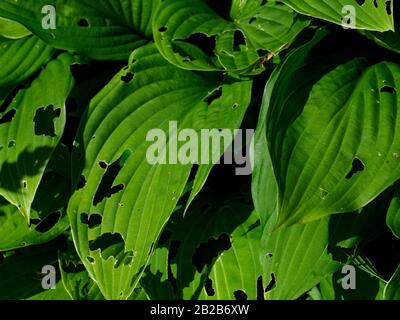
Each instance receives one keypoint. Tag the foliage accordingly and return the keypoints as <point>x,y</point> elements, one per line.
<point>84,82</point>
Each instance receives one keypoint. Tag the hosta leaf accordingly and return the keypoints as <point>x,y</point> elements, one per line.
<point>21,58</point>
<point>155,279</point>
<point>392,289</point>
<point>371,15</point>
<point>120,212</point>
<point>30,129</point>
<point>295,259</point>
<point>75,277</point>
<point>15,233</point>
<point>48,216</point>
<point>21,272</point>
<point>12,30</point>
<point>192,36</point>
<point>340,153</point>
<point>368,287</point>
<point>216,250</point>
<point>105,29</point>
<point>393,214</point>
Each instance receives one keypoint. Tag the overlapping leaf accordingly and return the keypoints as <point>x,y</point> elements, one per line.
<point>105,29</point>
<point>21,58</point>
<point>221,44</point>
<point>374,15</point>
<point>30,129</point>
<point>120,212</point>
<point>337,154</point>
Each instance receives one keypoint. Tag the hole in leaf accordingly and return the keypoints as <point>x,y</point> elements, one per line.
<point>103,164</point>
<point>44,121</point>
<point>360,2</point>
<point>128,77</point>
<point>252,20</point>
<point>357,166</point>
<point>389,7</point>
<point>204,42</point>
<point>388,89</point>
<point>376,4</point>
<point>112,245</point>
<point>240,295</point>
<point>271,284</point>
<point>163,29</point>
<point>81,182</point>
<point>90,259</point>
<point>260,289</point>
<point>8,116</point>
<point>207,252</point>
<point>238,40</point>
<point>11,144</point>
<point>208,286</point>
<point>106,188</point>
<point>83,23</point>
<point>49,222</point>
<point>92,221</point>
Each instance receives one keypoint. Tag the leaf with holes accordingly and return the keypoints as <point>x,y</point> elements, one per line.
<point>105,29</point>
<point>128,197</point>
<point>374,15</point>
<point>192,36</point>
<point>214,250</point>
<point>335,155</point>
<point>295,259</point>
<point>30,129</point>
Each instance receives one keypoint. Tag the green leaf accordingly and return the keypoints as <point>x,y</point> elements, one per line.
<point>12,30</point>
<point>216,250</point>
<point>368,287</point>
<point>75,277</point>
<point>21,273</point>
<point>132,198</point>
<point>104,30</point>
<point>295,259</point>
<point>393,214</point>
<point>392,289</point>
<point>370,15</point>
<point>192,36</point>
<point>155,278</point>
<point>15,233</point>
<point>334,155</point>
<point>30,130</point>
<point>21,58</point>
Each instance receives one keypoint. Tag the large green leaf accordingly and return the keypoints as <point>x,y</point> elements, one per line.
<point>334,155</point>
<point>105,29</point>
<point>295,259</point>
<point>30,129</point>
<point>21,273</point>
<point>21,58</point>
<point>192,36</point>
<point>370,15</point>
<point>214,249</point>
<point>131,199</point>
